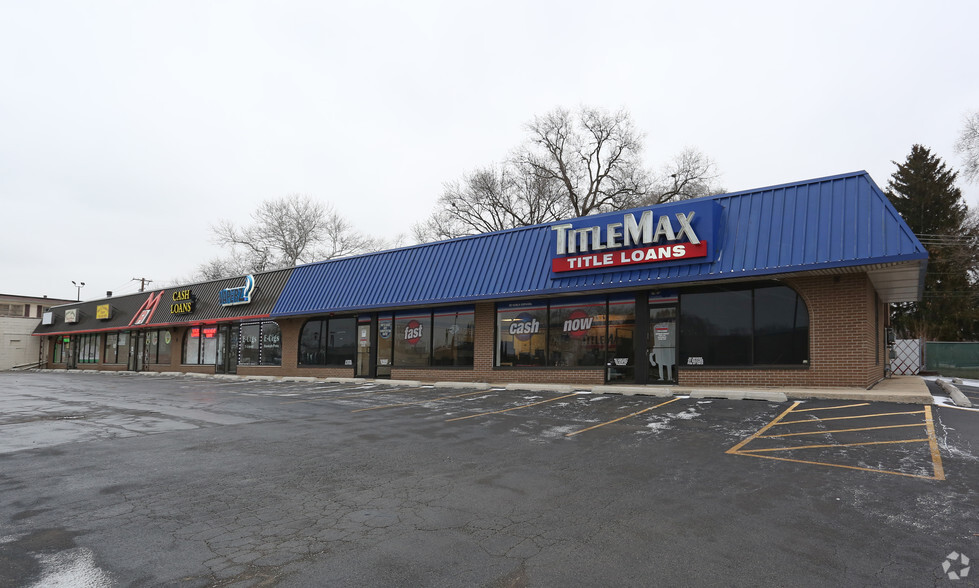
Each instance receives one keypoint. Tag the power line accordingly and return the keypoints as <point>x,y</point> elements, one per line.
<point>142,283</point>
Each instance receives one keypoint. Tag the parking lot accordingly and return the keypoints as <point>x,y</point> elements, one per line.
<point>149,481</point>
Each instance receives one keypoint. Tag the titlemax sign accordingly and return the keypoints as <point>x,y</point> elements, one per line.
<point>633,238</point>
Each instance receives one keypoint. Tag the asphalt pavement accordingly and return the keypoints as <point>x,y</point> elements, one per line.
<point>133,480</point>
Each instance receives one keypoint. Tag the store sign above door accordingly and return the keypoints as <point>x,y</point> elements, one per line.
<point>682,232</point>
<point>236,296</point>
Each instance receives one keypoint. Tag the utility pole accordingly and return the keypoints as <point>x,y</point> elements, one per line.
<point>142,283</point>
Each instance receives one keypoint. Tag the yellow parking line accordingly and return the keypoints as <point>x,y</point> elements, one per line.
<point>420,401</point>
<point>472,416</point>
<point>754,436</point>
<point>836,465</point>
<point>770,449</point>
<point>839,431</point>
<point>638,412</point>
<point>834,407</point>
<point>860,416</point>
<point>936,456</point>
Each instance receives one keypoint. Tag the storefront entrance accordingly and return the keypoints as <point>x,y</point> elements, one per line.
<point>661,343</point>
<point>365,365</point>
<point>226,361</point>
<point>137,352</point>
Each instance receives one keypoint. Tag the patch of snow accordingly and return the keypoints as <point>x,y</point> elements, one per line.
<point>74,568</point>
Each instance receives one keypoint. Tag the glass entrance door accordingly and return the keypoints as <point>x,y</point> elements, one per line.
<point>137,351</point>
<point>364,347</point>
<point>226,361</point>
<point>661,344</point>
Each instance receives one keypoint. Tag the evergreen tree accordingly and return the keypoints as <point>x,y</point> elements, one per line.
<point>923,190</point>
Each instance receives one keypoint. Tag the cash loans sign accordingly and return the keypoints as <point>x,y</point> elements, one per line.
<point>674,233</point>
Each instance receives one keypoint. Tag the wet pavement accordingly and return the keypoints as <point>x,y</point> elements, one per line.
<point>113,480</point>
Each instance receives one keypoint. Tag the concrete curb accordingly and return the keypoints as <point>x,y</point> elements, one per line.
<point>660,391</point>
<point>542,387</point>
<point>955,394</point>
<point>464,385</point>
<point>346,380</point>
<point>410,383</point>
<point>766,395</point>
<point>300,379</point>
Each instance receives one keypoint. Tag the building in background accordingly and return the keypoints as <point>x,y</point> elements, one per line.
<point>19,316</point>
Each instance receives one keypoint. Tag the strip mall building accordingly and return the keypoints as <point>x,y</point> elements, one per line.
<point>787,285</point>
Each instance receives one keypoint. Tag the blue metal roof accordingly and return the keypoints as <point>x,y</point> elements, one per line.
<point>830,223</point>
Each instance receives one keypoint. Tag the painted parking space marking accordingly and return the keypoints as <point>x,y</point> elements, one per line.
<point>472,416</point>
<point>779,435</point>
<point>743,448</point>
<point>638,412</point>
<point>833,407</point>
<point>420,401</point>
<point>859,416</point>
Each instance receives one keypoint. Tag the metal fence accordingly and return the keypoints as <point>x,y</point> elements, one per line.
<point>907,357</point>
<point>953,359</point>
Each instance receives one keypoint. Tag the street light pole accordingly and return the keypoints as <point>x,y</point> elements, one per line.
<point>78,289</point>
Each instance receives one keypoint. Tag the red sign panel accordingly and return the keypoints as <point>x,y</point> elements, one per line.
<point>642,255</point>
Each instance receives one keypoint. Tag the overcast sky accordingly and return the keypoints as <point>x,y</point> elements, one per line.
<point>128,128</point>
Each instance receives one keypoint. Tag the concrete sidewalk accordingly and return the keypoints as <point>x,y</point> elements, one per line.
<point>902,389</point>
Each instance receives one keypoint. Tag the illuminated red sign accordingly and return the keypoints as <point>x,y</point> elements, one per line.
<point>652,254</point>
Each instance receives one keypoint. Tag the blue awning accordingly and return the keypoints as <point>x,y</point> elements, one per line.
<point>827,225</point>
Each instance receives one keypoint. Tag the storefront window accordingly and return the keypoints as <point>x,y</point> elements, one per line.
<point>192,346</point>
<point>271,344</point>
<point>715,328</point>
<point>781,327</point>
<point>151,346</point>
<point>577,333</point>
<point>164,348</point>
<point>209,345</point>
<point>521,334</point>
<point>59,348</point>
<point>412,338</point>
<point>88,348</point>
<point>762,325</point>
<point>328,342</point>
<point>250,341</point>
<point>341,341</point>
<point>452,337</point>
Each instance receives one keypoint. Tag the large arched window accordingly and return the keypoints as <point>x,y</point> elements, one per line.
<point>744,325</point>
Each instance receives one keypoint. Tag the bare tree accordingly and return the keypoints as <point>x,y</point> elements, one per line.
<point>572,164</point>
<point>690,174</point>
<point>492,199</point>
<point>594,155</point>
<point>284,231</point>
<point>968,147</point>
